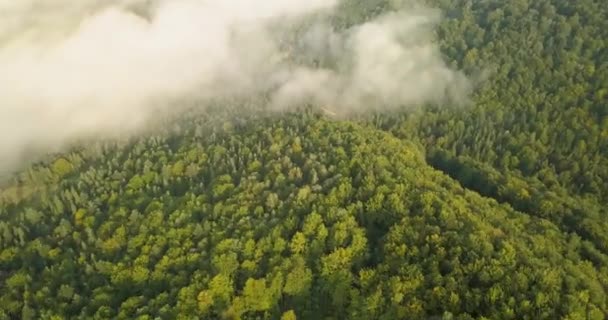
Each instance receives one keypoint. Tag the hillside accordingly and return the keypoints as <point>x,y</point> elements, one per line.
<point>535,137</point>
<point>283,216</point>
<point>541,109</point>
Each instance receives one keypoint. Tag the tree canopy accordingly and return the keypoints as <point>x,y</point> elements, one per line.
<point>492,211</point>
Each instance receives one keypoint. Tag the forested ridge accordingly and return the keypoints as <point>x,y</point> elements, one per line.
<point>496,210</point>
<point>542,111</point>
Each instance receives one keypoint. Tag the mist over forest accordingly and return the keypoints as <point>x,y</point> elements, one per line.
<point>289,159</point>
<point>103,69</point>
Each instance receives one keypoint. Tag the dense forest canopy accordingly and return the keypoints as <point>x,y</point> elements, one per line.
<point>496,210</point>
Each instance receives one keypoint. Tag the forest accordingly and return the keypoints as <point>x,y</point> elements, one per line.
<point>494,210</point>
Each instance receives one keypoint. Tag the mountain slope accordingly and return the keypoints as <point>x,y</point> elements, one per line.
<point>534,135</point>
<point>541,107</point>
<point>280,217</point>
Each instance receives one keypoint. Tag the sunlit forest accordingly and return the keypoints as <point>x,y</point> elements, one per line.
<point>497,209</point>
